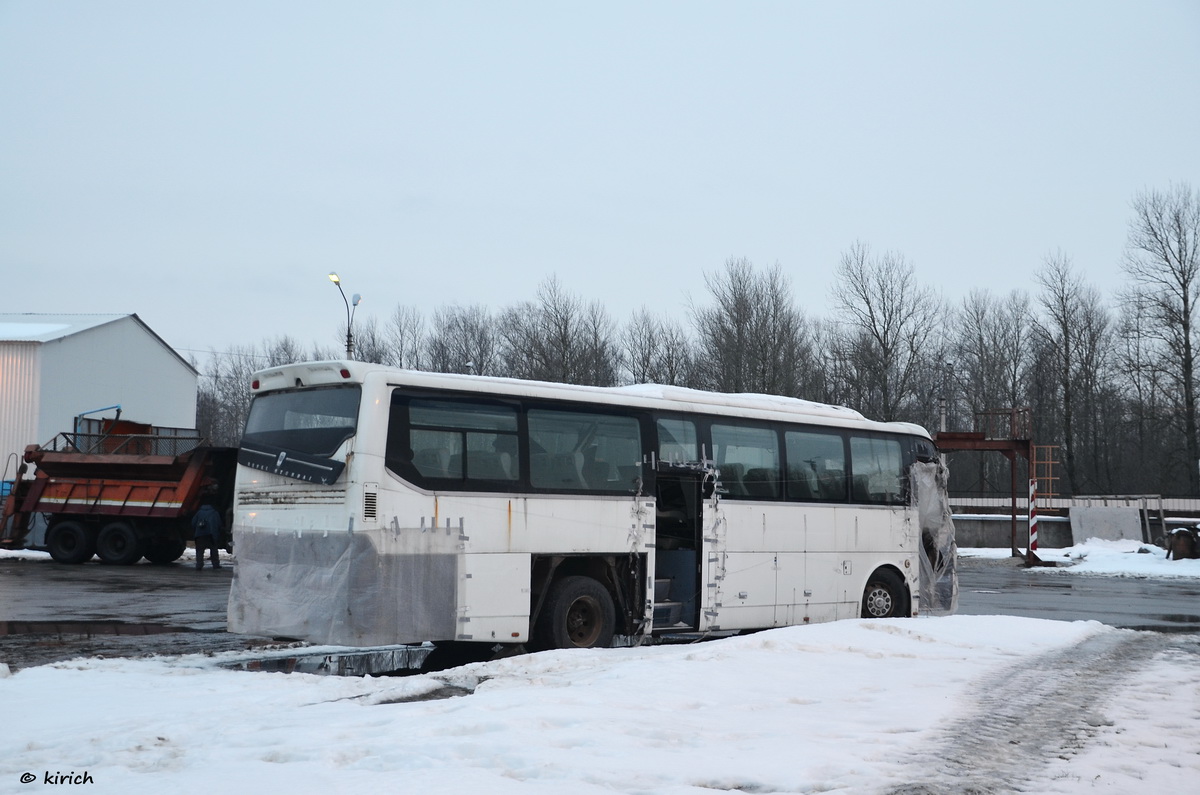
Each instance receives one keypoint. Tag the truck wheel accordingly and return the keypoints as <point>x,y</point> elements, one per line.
<point>578,614</point>
<point>885,596</point>
<point>164,549</point>
<point>70,542</point>
<point>118,544</point>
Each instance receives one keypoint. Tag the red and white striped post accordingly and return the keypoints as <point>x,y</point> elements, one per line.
<point>1032,516</point>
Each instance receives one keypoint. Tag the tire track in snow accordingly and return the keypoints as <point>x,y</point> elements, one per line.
<point>1047,707</point>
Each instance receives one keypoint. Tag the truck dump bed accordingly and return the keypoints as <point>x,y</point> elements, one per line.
<point>119,496</point>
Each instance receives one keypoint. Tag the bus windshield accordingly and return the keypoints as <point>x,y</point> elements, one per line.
<point>312,421</point>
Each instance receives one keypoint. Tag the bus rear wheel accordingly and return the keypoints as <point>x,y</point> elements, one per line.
<point>70,542</point>
<point>884,596</point>
<point>118,544</point>
<point>578,614</point>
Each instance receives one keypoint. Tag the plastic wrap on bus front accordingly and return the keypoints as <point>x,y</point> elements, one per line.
<point>938,550</point>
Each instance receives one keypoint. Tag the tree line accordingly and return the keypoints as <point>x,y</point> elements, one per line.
<point>1110,381</point>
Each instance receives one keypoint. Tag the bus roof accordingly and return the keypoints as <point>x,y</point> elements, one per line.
<point>648,396</point>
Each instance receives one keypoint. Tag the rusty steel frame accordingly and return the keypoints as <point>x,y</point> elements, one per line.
<point>1010,433</point>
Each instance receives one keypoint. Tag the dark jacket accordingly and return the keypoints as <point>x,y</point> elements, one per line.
<point>207,522</point>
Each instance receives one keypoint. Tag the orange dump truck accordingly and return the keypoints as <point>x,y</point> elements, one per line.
<point>121,496</point>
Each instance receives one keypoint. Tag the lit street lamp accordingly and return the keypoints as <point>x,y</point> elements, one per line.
<point>350,308</point>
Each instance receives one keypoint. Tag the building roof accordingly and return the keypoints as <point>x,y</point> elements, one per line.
<point>35,327</point>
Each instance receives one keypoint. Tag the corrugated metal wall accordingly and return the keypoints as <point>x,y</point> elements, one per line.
<point>20,388</point>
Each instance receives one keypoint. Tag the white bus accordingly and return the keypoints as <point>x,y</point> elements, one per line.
<point>377,506</point>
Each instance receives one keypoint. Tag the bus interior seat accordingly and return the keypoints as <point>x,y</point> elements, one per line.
<point>862,489</point>
<point>559,471</point>
<point>799,487</point>
<point>506,450</point>
<point>596,473</point>
<point>760,482</point>
<point>833,486</point>
<point>432,462</point>
<point>731,480</point>
<point>488,466</point>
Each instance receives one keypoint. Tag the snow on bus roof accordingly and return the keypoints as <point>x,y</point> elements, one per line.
<point>744,399</point>
<point>677,397</point>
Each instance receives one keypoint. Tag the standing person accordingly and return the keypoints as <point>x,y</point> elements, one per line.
<point>207,528</point>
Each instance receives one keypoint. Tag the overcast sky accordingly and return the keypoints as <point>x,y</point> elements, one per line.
<point>205,165</point>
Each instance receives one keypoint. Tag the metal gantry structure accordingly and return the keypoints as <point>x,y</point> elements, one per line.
<point>1010,433</point>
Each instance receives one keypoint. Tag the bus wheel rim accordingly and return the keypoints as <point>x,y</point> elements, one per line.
<point>583,621</point>
<point>879,601</point>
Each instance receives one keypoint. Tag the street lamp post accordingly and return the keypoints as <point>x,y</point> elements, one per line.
<point>350,309</point>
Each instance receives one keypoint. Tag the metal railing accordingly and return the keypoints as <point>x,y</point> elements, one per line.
<point>1015,423</point>
<point>122,444</point>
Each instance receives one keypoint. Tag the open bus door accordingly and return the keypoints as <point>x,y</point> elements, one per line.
<point>684,517</point>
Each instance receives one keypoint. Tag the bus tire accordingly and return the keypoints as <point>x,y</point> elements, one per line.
<point>118,544</point>
<point>885,596</point>
<point>578,614</point>
<point>70,542</point>
<point>165,548</point>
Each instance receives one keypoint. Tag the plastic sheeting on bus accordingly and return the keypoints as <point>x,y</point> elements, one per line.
<point>938,551</point>
<point>342,588</point>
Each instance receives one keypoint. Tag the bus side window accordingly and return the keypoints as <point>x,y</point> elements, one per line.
<point>456,440</point>
<point>816,466</point>
<point>677,441</point>
<point>878,470</point>
<point>437,454</point>
<point>748,457</point>
<point>578,451</point>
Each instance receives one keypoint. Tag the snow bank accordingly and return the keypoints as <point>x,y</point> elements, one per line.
<point>840,705</point>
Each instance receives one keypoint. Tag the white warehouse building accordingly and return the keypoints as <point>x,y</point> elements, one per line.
<point>54,368</point>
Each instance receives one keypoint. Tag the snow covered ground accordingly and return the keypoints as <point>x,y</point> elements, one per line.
<point>924,705</point>
<point>1112,558</point>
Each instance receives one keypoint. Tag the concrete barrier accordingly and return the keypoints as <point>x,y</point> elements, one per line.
<point>995,530</point>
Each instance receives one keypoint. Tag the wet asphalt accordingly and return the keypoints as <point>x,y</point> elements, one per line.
<point>51,612</point>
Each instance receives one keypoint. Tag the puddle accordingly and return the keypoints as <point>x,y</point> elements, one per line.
<point>447,691</point>
<point>1177,618</point>
<point>402,661</point>
<point>1170,623</point>
<point>85,628</point>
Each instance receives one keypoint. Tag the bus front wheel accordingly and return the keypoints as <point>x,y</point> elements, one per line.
<point>578,614</point>
<point>884,596</point>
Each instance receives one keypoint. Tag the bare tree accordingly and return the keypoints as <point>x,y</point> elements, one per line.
<point>990,351</point>
<point>371,344</point>
<point>405,338</point>
<point>640,347</point>
<point>1162,260</point>
<point>462,340</point>
<point>1076,341</point>
<point>752,338</point>
<point>224,395</point>
<point>599,363</point>
<point>677,359</point>
<point>1146,393</point>
<point>558,338</point>
<point>887,321</point>
<point>654,351</point>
